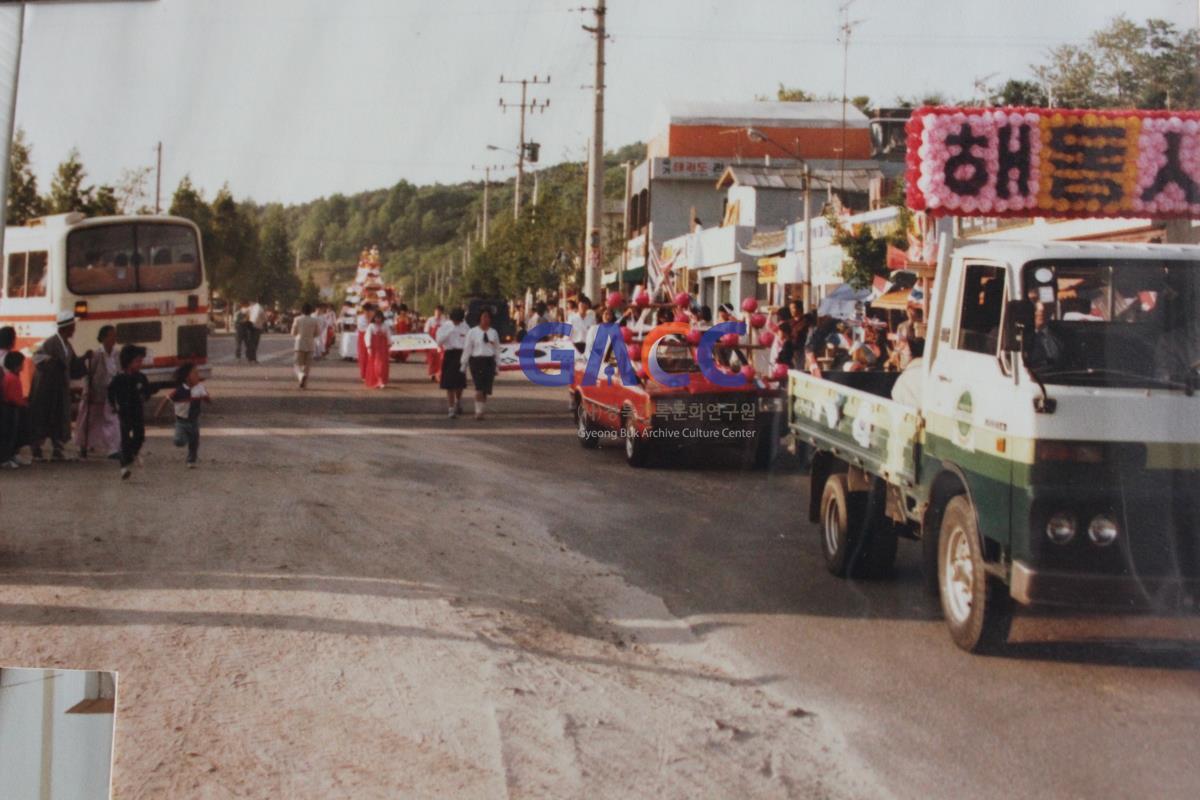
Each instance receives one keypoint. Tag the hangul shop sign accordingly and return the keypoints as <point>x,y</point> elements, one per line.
<point>689,168</point>
<point>1005,162</point>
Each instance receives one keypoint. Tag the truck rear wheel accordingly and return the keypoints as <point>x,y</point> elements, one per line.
<point>856,540</point>
<point>977,607</point>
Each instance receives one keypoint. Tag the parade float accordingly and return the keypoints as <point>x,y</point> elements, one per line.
<point>366,289</point>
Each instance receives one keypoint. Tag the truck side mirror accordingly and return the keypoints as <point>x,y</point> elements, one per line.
<point>1018,325</point>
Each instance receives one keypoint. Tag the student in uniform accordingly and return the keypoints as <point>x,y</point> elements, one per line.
<point>361,322</point>
<point>452,339</point>
<point>481,355</point>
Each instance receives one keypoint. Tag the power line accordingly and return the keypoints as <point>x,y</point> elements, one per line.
<point>532,106</point>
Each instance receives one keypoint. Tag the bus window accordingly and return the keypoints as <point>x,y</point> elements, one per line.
<point>36,274</point>
<point>168,258</point>
<point>101,260</point>
<point>16,275</point>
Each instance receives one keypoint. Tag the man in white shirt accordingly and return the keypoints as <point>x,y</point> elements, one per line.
<point>575,320</point>
<point>305,330</point>
<point>908,387</point>
<point>258,324</point>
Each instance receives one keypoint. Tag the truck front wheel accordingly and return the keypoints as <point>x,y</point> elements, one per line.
<point>637,444</point>
<point>977,607</point>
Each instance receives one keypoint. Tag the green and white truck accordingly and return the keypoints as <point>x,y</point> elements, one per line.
<point>1052,456</point>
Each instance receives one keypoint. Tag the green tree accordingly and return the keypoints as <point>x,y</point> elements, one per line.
<point>67,192</point>
<point>1019,93</point>
<point>275,279</point>
<point>234,258</point>
<point>188,202</point>
<point>24,202</point>
<point>309,292</point>
<point>101,201</point>
<point>1125,64</point>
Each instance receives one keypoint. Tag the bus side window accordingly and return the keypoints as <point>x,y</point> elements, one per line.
<point>37,274</point>
<point>16,275</point>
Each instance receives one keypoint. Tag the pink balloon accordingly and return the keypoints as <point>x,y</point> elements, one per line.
<point>683,300</point>
<point>757,320</point>
<point>730,340</point>
<point>748,371</point>
<point>766,338</point>
<point>616,300</point>
<point>641,299</point>
<point>627,334</point>
<point>779,372</point>
<point>693,337</point>
<point>749,305</point>
<point>635,352</point>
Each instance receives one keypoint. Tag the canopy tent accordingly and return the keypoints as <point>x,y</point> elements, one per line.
<point>844,301</point>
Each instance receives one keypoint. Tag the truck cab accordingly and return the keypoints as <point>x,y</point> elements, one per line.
<point>1053,455</point>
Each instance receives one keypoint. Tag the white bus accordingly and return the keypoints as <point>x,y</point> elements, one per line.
<point>142,274</point>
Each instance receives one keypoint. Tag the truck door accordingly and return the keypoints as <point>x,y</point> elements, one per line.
<point>971,395</point>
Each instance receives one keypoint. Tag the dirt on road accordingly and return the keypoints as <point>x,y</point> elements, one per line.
<point>370,606</point>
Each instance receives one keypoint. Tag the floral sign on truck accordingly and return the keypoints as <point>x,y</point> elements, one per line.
<point>1054,162</point>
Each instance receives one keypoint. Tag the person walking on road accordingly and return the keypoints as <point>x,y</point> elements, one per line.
<point>97,428</point>
<point>241,330</point>
<point>481,355</point>
<point>452,339</point>
<point>189,395</point>
<point>14,412</point>
<point>128,394</point>
<point>433,358</point>
<point>305,331</point>
<point>378,339</point>
<point>362,322</point>
<point>56,365</point>
<point>258,325</point>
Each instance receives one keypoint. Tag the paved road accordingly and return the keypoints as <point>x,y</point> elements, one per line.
<point>1078,708</point>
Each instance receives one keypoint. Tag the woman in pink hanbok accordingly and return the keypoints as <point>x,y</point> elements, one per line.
<point>97,429</point>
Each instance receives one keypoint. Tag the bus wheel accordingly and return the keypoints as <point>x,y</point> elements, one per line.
<point>842,513</point>
<point>977,608</point>
<point>637,445</point>
<point>585,430</point>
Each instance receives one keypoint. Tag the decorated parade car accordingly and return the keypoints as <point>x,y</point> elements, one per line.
<point>674,393</point>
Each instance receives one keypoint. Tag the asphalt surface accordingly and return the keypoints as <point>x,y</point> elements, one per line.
<point>1078,707</point>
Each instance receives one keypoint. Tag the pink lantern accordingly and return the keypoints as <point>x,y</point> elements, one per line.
<point>693,337</point>
<point>683,300</point>
<point>749,305</point>
<point>730,340</point>
<point>779,372</point>
<point>616,300</point>
<point>757,320</point>
<point>766,338</point>
<point>627,334</point>
<point>641,299</point>
<point>635,352</point>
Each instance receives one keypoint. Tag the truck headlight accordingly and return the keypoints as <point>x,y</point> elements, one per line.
<point>1103,530</point>
<point>1060,528</point>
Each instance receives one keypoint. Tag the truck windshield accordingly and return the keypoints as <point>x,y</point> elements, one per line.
<point>1114,323</point>
<point>133,257</point>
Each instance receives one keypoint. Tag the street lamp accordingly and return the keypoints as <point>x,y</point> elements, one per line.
<point>758,136</point>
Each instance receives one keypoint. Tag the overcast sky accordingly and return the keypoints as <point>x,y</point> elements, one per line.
<point>292,99</point>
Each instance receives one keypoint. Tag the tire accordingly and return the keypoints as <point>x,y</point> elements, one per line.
<point>842,513</point>
<point>637,446</point>
<point>977,607</point>
<point>585,430</point>
<point>856,540</point>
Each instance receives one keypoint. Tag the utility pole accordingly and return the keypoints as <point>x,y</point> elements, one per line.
<point>158,182</point>
<point>846,28</point>
<point>595,188</point>
<point>487,183</point>
<point>531,106</point>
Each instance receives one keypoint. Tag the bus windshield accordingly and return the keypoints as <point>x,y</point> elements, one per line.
<point>133,257</point>
<point>1114,323</point>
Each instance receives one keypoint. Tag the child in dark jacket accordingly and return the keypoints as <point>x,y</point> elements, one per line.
<point>190,393</point>
<point>128,394</point>
<point>14,411</point>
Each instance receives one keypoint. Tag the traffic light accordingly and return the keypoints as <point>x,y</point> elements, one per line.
<point>531,151</point>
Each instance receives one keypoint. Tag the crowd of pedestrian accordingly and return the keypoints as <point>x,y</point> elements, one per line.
<point>110,420</point>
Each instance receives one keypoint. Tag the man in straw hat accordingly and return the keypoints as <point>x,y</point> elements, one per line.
<point>50,396</point>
